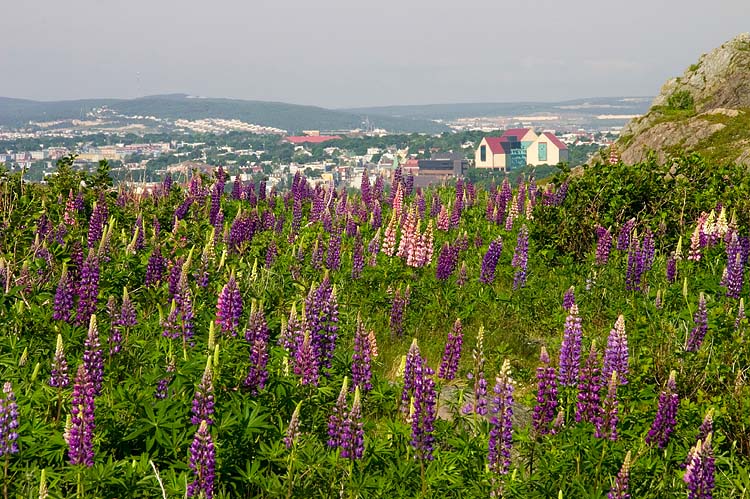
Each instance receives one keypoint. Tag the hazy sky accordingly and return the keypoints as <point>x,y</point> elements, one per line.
<point>339,53</point>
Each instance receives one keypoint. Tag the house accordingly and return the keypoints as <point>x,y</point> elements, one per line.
<point>547,149</point>
<point>503,153</point>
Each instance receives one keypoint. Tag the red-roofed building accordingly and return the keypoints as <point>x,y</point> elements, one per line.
<point>312,139</point>
<point>547,149</point>
<point>523,135</point>
<point>495,152</point>
<point>519,147</point>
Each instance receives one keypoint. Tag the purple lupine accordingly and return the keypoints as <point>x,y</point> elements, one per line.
<point>59,372</point>
<point>489,262</point>
<point>93,358</point>
<point>671,270</point>
<point>603,245</point>
<point>447,260</point>
<point>521,258</point>
<point>352,430</point>
<point>501,434</point>
<point>623,239</point>
<point>115,332</point>
<point>588,405</point>
<point>203,399</point>
<point>257,335</point>
<point>203,463</point>
<point>424,411</point>
<point>364,187</point>
<point>292,431</point>
<point>463,275</point>
<point>128,317</point>
<point>620,488</point>
<point>666,414</point>
<point>306,363</point>
<point>452,353</point>
<point>337,417</point>
<point>167,183</point>
<point>398,309</point>
<point>410,361</point>
<point>740,315</point>
<point>546,396</point>
<point>616,355</point>
<point>700,471</point>
<point>735,267</point>
<point>479,404</point>
<point>63,305</point>
<point>358,257</point>
<point>229,307</point>
<point>570,349</point>
<point>155,268</point>
<point>139,238</point>
<point>361,358</point>
<point>698,333</point>
<point>569,298</point>
<point>606,424</point>
<point>88,289</point>
<point>97,222</point>
<point>636,265</point>
<point>377,216</point>
<point>707,426</point>
<point>8,422</point>
<point>81,435</point>
<point>321,307</point>
<point>333,255</point>
<point>162,388</point>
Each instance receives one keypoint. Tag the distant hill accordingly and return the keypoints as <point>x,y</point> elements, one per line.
<point>291,117</point>
<point>589,106</point>
<point>706,110</point>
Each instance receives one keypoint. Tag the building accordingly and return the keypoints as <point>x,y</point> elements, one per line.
<point>312,139</point>
<point>439,168</point>
<point>519,147</point>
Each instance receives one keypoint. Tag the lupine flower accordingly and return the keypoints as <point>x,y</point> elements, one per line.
<point>321,307</point>
<point>569,298</point>
<point>546,395</point>
<point>257,372</point>
<point>8,421</point>
<point>92,357</point>
<point>97,221</point>
<point>616,355</point>
<point>203,463</point>
<point>305,362</point>
<point>489,262</point>
<point>63,305</point>
<point>155,268</point>
<point>443,219</point>
<point>623,239</point>
<point>700,471</point>
<point>410,361</point>
<point>162,387</point>
<point>229,307</point>
<point>81,434</point>
<point>352,431</point>
<point>361,358</point>
<point>740,314</point>
<point>398,308</point>
<point>479,404</point>
<point>700,318</point>
<point>88,290</point>
<point>452,353</point>
<point>424,410</point>
<point>570,349</point>
<point>389,240</point>
<point>521,258</point>
<point>603,245</point>
<point>358,257</point>
<point>588,406</point>
<point>606,425</point>
<point>203,399</point>
<point>666,414</point>
<point>735,267</point>
<point>620,488</point>
<point>292,431</point>
<point>707,426</point>
<point>446,262</point>
<point>337,417</point>
<point>501,434</point>
<point>127,311</point>
<point>59,376</point>
<point>671,269</point>
<point>463,275</point>
<point>333,256</point>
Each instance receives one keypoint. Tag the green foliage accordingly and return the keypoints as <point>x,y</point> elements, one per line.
<point>681,100</point>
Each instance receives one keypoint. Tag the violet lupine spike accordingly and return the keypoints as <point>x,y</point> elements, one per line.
<point>333,255</point>
<point>616,355</point>
<point>606,425</point>
<point>740,315</point>
<point>93,358</point>
<point>115,332</point>
<point>257,375</point>
<point>229,307</point>
<point>63,305</point>
<point>569,298</point>
<point>446,262</point>
<point>671,269</point>
<point>88,290</point>
<point>666,414</point>
<point>8,422</point>
<point>362,358</point>
<point>128,316</point>
<point>305,363</point>
<point>337,417</point>
<point>546,396</point>
<point>352,430</point>
<point>59,373</point>
<point>589,406</point>
<point>521,258</point>
<point>203,399</point>
<point>698,333</point>
<point>700,471</point>
<point>489,262</point>
<point>620,489</point>
<point>603,245</point>
<point>452,353</point>
<point>479,404</point>
<point>202,463</point>
<point>501,434</point>
<point>463,275</point>
<point>424,410</point>
<point>358,257</point>
<point>623,239</point>
<point>398,309</point>
<point>707,426</point>
<point>81,435</point>
<point>155,268</point>
<point>410,361</point>
<point>292,432</point>
<point>735,267</point>
<point>570,349</point>
<point>321,307</point>
<point>97,222</point>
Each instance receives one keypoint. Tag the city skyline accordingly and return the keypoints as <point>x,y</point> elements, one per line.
<point>336,54</point>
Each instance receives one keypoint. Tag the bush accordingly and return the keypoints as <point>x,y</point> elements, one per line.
<point>681,100</point>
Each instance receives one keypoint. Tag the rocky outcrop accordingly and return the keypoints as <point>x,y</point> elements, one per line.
<point>706,110</point>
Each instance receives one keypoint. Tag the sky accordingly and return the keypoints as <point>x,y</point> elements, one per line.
<point>349,53</point>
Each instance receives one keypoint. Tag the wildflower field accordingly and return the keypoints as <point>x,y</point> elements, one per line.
<point>581,338</point>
